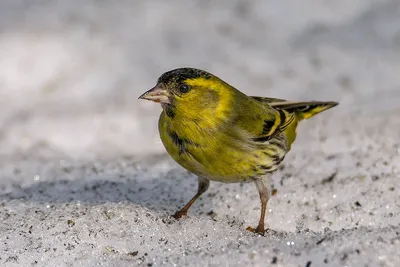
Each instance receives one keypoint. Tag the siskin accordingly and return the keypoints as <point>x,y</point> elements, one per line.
<point>219,133</point>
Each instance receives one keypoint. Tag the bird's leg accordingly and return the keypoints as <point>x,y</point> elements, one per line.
<point>261,184</point>
<point>203,186</point>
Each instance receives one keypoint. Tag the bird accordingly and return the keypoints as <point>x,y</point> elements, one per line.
<point>220,134</point>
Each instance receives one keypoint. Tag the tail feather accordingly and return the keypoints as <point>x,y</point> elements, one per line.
<point>304,110</point>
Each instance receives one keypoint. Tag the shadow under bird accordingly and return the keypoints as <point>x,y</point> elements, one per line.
<point>219,133</point>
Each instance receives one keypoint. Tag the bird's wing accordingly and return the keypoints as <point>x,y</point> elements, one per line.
<point>261,121</point>
<point>287,114</point>
<point>303,110</point>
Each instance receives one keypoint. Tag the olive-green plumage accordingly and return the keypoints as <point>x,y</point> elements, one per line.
<point>220,134</point>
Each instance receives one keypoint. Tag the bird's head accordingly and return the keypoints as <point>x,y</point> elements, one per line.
<point>190,93</point>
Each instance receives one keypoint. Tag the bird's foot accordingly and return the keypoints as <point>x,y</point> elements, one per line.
<point>179,214</point>
<point>259,230</point>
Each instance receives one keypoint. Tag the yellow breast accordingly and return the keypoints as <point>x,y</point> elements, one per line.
<point>217,155</point>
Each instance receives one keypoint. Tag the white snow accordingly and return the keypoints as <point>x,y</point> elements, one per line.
<point>85,181</point>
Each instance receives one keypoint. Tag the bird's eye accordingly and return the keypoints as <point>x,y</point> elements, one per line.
<point>184,88</point>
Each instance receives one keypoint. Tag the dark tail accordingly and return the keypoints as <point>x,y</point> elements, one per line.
<point>304,110</point>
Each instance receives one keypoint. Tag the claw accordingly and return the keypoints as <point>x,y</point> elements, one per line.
<point>179,215</point>
<point>259,230</point>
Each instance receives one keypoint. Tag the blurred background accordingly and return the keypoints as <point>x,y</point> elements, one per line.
<point>71,71</point>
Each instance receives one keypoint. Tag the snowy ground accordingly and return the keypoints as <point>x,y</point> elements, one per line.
<point>84,180</point>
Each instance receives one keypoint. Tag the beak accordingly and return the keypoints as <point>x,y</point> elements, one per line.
<point>158,94</point>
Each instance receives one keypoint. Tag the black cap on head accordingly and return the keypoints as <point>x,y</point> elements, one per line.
<point>181,74</point>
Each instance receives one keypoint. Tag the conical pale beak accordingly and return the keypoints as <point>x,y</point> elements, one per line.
<point>158,94</point>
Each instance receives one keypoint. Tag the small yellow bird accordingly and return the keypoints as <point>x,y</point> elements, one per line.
<point>218,133</point>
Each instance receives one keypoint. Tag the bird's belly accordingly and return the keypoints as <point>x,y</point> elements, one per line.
<point>222,157</point>
<point>228,164</point>
<point>217,167</point>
